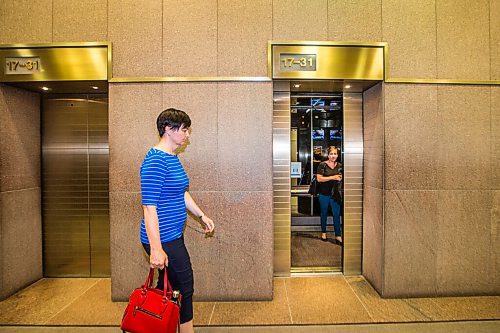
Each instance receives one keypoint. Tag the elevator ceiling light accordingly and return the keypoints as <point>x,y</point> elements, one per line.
<point>95,87</point>
<point>45,88</point>
<point>347,86</point>
<point>296,85</point>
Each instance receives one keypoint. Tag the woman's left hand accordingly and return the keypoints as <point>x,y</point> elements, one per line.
<point>209,224</point>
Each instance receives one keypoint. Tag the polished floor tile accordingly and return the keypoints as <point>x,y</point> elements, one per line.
<point>458,308</point>
<point>383,310</point>
<point>319,300</point>
<point>94,307</point>
<point>274,312</point>
<point>324,300</point>
<point>36,304</point>
<point>202,312</point>
<point>428,327</point>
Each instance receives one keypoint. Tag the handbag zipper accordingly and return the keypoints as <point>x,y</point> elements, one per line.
<point>147,312</point>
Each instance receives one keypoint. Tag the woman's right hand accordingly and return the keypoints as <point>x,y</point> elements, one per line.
<point>158,259</point>
<point>337,178</point>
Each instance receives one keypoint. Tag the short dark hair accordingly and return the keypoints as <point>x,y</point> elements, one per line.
<point>172,118</point>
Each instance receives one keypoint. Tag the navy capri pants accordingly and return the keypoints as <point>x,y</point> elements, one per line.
<point>180,274</point>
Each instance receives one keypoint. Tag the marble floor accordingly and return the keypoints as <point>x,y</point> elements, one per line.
<point>331,301</point>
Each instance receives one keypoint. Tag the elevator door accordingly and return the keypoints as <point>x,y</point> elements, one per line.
<point>75,203</point>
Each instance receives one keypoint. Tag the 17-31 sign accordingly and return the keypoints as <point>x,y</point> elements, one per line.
<point>297,62</point>
<point>21,65</point>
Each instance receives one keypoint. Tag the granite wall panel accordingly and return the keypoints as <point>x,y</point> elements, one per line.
<point>463,243</point>
<point>71,26</point>
<point>190,38</point>
<point>373,236</point>
<point>495,137</point>
<point>300,20</point>
<point>359,20</point>
<point>25,21</point>
<point>409,28</point>
<point>411,129</point>
<point>245,228</point>
<point>410,243</point>
<point>20,144</point>
<point>494,241</point>
<point>243,29</point>
<point>129,262</point>
<point>21,241</point>
<point>245,136</point>
<point>495,39</point>
<point>136,33</point>
<point>373,136</point>
<point>463,39</point>
<point>20,211</point>
<point>463,149</point>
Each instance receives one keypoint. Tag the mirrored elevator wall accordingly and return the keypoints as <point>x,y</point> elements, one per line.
<point>75,195</point>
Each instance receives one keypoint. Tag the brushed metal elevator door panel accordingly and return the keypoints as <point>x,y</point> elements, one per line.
<point>99,188</point>
<point>75,206</point>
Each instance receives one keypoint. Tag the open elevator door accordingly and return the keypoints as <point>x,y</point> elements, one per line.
<point>347,69</point>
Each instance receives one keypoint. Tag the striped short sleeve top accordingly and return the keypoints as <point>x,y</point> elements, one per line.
<point>163,183</point>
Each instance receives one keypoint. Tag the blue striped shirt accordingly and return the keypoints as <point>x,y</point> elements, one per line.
<point>163,183</point>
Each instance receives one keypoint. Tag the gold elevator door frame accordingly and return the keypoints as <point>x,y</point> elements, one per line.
<point>357,62</point>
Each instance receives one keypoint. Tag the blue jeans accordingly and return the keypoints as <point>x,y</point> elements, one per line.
<point>324,202</point>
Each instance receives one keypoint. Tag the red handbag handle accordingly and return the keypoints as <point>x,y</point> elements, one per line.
<point>166,282</point>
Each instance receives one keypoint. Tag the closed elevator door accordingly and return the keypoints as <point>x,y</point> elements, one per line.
<point>75,191</point>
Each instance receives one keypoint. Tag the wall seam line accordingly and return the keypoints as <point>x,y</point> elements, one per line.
<point>217,49</point>
<point>212,314</point>
<point>359,298</point>
<point>489,45</point>
<point>162,52</point>
<point>436,75</point>
<point>52,19</point>
<point>381,21</point>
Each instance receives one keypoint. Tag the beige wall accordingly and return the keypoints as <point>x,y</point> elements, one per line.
<point>373,190</point>
<point>434,227</point>
<point>427,39</point>
<point>20,215</point>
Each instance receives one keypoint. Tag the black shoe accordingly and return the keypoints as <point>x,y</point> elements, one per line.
<point>324,239</point>
<point>338,242</point>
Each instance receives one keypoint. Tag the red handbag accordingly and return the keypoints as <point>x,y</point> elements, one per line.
<point>152,310</point>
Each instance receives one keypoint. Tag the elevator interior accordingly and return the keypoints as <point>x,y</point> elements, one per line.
<point>316,123</point>
<point>74,177</point>
<point>75,199</point>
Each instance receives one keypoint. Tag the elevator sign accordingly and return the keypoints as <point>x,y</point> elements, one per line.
<point>297,62</point>
<point>326,60</point>
<point>22,65</point>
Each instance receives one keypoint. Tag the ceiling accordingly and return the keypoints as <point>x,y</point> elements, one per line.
<point>64,87</point>
<point>331,86</point>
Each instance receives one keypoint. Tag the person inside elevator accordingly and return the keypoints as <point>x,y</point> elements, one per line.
<point>165,198</point>
<point>329,175</point>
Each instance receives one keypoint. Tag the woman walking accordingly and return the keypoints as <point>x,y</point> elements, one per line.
<point>165,198</point>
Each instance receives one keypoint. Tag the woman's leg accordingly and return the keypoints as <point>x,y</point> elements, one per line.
<point>336,219</point>
<point>324,201</point>
<point>187,327</point>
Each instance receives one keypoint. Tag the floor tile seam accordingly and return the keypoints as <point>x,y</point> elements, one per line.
<point>414,307</point>
<point>212,314</point>
<point>359,299</point>
<point>288,302</point>
<point>73,301</point>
